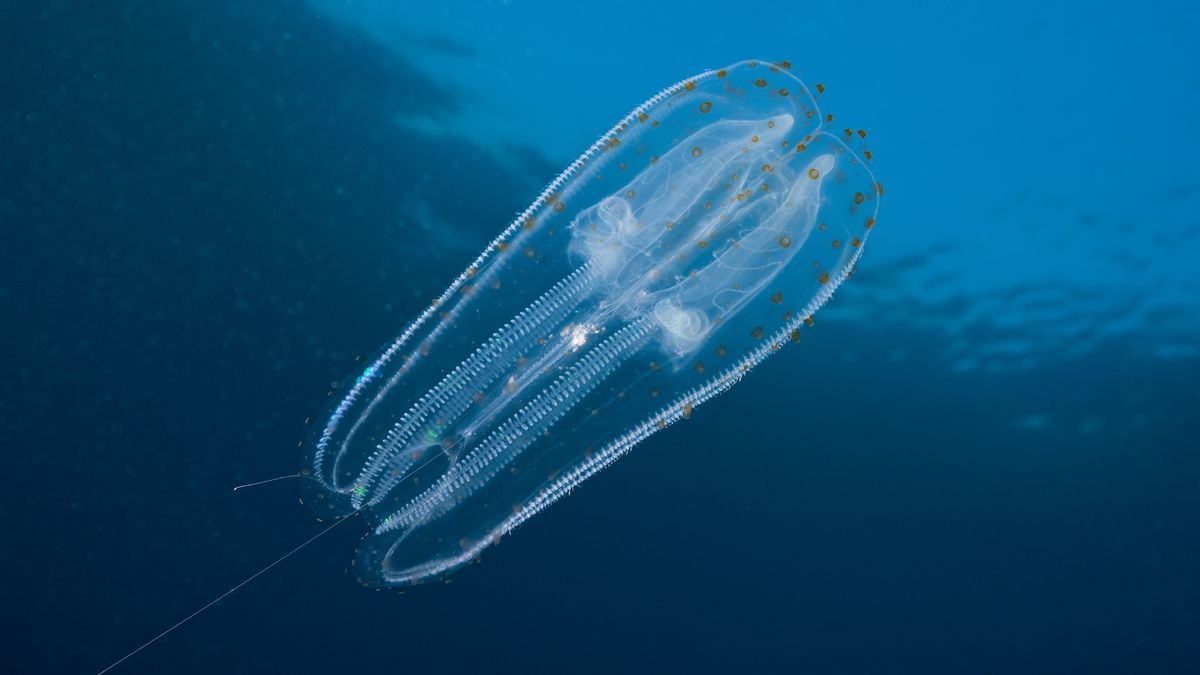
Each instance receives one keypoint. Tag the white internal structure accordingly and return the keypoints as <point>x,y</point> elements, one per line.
<point>700,230</point>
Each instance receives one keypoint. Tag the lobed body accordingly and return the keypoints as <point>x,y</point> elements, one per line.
<point>689,243</point>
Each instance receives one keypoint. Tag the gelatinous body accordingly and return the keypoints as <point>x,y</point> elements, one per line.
<point>693,240</point>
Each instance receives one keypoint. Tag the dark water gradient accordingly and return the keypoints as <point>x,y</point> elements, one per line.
<point>208,210</point>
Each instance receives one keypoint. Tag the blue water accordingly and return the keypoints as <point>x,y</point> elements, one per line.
<point>981,459</point>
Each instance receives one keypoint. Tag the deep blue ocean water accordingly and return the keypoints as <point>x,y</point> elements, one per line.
<point>983,459</point>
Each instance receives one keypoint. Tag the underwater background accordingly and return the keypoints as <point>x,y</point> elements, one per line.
<point>984,458</point>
